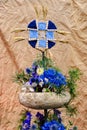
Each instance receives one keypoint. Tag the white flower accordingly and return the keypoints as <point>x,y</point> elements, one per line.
<point>27,84</point>
<point>31,89</point>
<point>41,83</point>
<point>34,85</point>
<point>40,71</point>
<point>46,80</point>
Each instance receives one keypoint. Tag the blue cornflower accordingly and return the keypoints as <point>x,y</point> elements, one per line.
<point>53,125</point>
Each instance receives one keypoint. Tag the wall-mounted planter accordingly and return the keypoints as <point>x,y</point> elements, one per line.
<point>43,100</point>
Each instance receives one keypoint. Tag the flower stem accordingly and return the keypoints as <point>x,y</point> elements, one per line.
<point>43,54</point>
<point>45,114</point>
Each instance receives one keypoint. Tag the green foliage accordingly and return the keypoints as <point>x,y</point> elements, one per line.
<point>59,90</point>
<point>52,116</point>
<point>45,62</point>
<point>23,116</point>
<point>74,75</point>
<point>70,123</point>
<point>70,126</point>
<point>72,78</point>
<point>70,110</point>
<point>21,77</point>
<point>75,128</point>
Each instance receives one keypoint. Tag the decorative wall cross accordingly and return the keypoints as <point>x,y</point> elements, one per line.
<point>41,34</point>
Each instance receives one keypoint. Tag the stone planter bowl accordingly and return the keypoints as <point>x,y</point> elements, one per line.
<point>43,100</point>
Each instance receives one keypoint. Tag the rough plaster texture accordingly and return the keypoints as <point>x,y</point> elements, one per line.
<point>68,15</point>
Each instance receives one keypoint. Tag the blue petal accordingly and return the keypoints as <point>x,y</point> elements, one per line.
<point>28,70</point>
<point>32,24</point>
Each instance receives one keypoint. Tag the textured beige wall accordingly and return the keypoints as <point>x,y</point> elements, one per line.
<point>68,15</point>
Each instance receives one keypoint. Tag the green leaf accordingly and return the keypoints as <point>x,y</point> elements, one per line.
<point>75,128</point>
<point>70,110</point>
<point>74,75</point>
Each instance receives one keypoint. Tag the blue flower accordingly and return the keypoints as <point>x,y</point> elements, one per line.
<point>28,115</point>
<point>53,125</point>
<point>35,79</point>
<point>34,68</point>
<point>58,114</point>
<point>50,77</point>
<point>32,80</point>
<point>28,70</point>
<point>39,116</point>
<point>54,77</point>
<point>26,122</point>
<point>33,127</point>
<point>50,73</point>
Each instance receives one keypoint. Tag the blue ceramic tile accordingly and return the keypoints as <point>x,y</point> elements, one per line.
<point>41,26</point>
<point>33,34</point>
<point>50,44</point>
<point>33,43</point>
<point>32,24</point>
<point>39,31</point>
<point>42,43</point>
<point>50,35</point>
<point>51,25</point>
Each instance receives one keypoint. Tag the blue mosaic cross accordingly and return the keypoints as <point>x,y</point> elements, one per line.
<point>41,34</point>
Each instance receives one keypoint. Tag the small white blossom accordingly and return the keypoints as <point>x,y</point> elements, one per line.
<point>27,84</point>
<point>34,85</point>
<point>31,89</point>
<point>41,83</point>
<point>46,79</point>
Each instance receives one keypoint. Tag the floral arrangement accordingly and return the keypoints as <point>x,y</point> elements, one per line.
<point>43,76</point>
<point>44,80</point>
<point>53,122</point>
